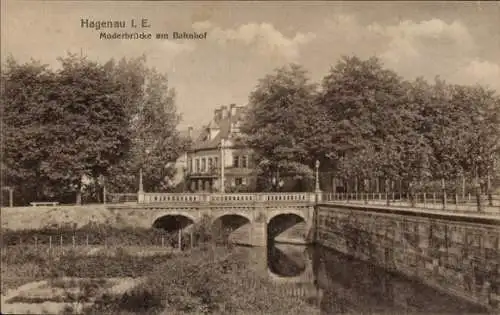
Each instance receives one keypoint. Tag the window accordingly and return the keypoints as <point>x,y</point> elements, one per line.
<point>244,163</point>
<point>203,165</point>
<point>216,162</point>
<point>197,166</point>
<point>210,164</point>
<point>238,181</point>
<point>236,160</point>
<point>190,165</point>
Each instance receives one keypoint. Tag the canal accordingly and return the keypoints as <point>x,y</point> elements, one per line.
<point>335,283</point>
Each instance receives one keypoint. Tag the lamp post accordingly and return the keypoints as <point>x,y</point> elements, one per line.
<point>222,162</point>
<point>141,185</point>
<point>317,189</point>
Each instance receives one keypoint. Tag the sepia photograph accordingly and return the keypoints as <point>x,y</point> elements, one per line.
<point>250,157</point>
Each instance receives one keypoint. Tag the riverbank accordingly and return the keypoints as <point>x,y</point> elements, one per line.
<point>204,279</point>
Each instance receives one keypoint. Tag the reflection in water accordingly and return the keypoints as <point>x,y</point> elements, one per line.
<point>286,260</point>
<point>336,283</point>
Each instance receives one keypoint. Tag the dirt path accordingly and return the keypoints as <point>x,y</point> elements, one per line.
<point>121,285</point>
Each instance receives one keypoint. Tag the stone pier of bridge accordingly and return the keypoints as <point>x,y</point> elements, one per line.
<point>246,218</point>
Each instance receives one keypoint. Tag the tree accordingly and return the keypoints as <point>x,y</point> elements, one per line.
<point>97,133</point>
<point>461,126</point>
<point>153,119</point>
<point>60,127</point>
<point>29,115</point>
<point>280,121</point>
<point>363,105</point>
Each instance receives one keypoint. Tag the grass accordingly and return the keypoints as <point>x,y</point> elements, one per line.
<point>214,281</point>
<point>203,280</point>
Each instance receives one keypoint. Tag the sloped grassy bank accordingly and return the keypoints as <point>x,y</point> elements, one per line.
<point>201,279</point>
<point>211,280</point>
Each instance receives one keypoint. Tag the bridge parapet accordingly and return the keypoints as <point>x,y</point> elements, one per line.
<point>307,197</point>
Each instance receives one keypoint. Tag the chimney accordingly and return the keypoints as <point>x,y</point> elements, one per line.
<point>232,110</point>
<point>190,132</point>
<point>224,112</point>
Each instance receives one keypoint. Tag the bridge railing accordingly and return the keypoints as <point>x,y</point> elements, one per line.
<point>306,197</point>
<point>230,197</point>
<point>162,197</point>
<point>120,198</point>
<point>438,201</point>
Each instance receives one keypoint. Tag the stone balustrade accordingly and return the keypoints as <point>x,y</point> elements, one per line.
<point>306,197</point>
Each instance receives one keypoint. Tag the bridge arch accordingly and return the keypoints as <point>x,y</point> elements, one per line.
<point>290,212</point>
<point>287,227</point>
<point>232,227</point>
<point>243,215</point>
<point>173,221</point>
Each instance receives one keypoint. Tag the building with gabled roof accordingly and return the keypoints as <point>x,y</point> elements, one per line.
<point>203,160</point>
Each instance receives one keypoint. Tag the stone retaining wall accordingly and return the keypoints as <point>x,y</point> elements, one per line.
<point>458,255</point>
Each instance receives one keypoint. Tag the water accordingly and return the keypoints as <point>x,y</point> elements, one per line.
<point>335,283</point>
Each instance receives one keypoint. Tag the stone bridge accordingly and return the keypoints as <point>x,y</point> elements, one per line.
<point>246,218</point>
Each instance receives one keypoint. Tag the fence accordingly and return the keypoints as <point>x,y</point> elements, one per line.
<point>177,240</point>
<point>441,201</point>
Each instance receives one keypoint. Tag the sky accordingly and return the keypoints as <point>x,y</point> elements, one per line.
<point>245,41</point>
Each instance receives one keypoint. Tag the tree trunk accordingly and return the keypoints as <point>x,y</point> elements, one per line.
<point>98,189</point>
<point>38,187</point>
<point>79,194</point>
<point>78,197</point>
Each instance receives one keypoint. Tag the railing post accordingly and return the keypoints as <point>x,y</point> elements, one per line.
<point>477,187</point>
<point>179,240</point>
<point>488,188</point>
<point>443,188</point>
<point>11,197</point>
<point>141,197</point>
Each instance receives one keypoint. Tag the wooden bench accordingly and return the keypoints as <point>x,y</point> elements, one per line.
<point>50,203</point>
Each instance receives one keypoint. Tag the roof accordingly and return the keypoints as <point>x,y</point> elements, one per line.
<point>224,127</point>
<point>195,133</point>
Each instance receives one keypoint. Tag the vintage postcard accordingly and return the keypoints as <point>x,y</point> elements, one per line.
<point>245,157</point>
